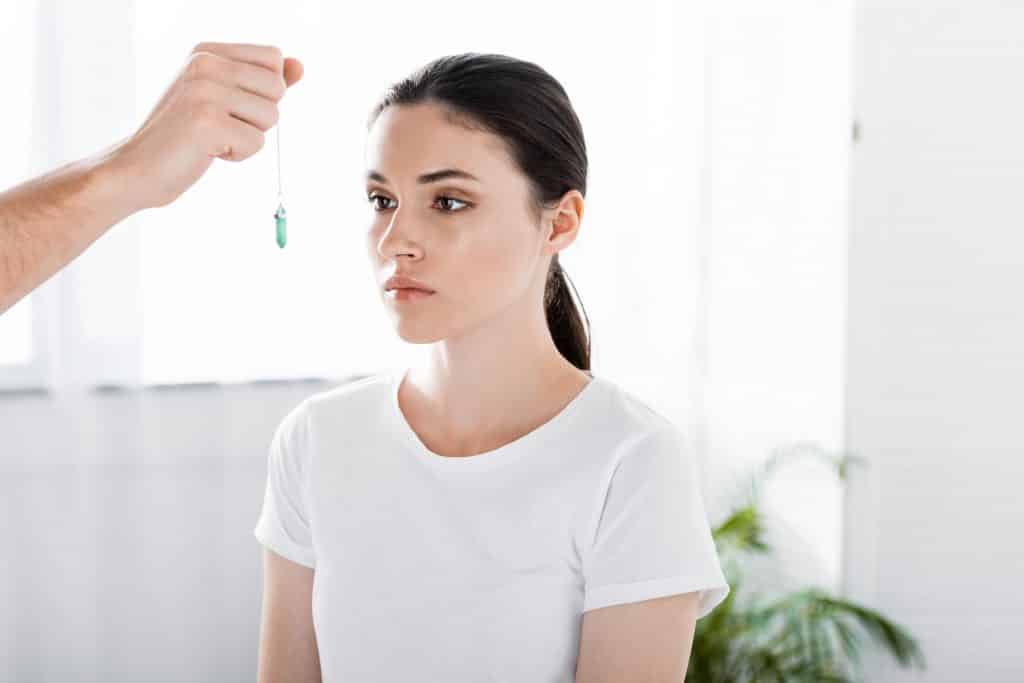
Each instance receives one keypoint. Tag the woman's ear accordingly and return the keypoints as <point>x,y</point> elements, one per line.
<point>565,221</point>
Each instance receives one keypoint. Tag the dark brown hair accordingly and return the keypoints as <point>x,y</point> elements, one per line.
<point>529,110</point>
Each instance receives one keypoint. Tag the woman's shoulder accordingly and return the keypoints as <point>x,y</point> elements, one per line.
<point>353,388</point>
<point>632,412</point>
<point>625,423</point>
<point>342,400</point>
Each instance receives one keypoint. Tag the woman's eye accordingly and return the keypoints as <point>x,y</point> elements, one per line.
<point>377,207</point>
<point>453,199</point>
<point>373,199</point>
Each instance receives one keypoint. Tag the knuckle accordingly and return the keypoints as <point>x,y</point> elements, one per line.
<point>275,55</point>
<point>201,91</point>
<point>198,66</point>
<point>201,47</point>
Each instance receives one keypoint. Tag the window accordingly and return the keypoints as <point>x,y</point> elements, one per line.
<point>18,352</point>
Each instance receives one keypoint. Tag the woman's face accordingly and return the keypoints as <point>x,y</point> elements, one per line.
<point>473,241</point>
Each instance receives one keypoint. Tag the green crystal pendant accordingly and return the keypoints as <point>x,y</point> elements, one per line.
<point>281,220</point>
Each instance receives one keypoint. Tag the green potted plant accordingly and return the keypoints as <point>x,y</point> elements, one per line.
<point>803,635</point>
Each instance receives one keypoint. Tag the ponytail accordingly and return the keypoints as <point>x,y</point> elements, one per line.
<point>567,329</point>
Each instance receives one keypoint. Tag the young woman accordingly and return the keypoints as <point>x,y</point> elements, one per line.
<point>499,512</point>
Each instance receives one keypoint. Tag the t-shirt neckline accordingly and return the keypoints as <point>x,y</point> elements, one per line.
<point>495,457</point>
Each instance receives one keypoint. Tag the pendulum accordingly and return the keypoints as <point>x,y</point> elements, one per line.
<point>281,220</point>
<point>280,216</point>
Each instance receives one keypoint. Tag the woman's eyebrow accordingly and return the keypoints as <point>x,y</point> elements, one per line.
<point>427,178</point>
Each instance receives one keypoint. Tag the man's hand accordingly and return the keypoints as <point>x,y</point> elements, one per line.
<point>220,105</point>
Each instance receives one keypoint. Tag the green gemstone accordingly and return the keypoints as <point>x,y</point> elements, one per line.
<point>281,220</point>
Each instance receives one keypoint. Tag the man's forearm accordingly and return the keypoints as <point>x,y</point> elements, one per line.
<point>46,222</point>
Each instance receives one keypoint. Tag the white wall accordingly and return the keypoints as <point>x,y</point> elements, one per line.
<point>936,331</point>
<point>772,247</point>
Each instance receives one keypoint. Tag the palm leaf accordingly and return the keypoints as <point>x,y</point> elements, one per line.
<point>804,635</point>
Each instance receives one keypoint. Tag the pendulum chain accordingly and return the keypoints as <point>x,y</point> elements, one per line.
<point>280,216</point>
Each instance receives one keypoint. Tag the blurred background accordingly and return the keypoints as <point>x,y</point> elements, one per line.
<point>802,227</point>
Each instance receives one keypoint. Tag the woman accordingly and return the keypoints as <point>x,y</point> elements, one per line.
<point>498,513</point>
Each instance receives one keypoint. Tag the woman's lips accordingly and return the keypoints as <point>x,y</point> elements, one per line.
<point>408,294</point>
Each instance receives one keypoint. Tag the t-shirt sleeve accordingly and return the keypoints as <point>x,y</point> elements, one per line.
<point>284,522</point>
<point>652,537</point>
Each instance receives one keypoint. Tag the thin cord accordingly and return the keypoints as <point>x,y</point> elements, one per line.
<point>280,189</point>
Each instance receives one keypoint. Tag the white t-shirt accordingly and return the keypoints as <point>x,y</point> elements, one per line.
<point>478,569</point>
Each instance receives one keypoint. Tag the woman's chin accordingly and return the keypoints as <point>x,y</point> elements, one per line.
<point>416,334</point>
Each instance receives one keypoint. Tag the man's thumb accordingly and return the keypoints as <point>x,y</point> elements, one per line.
<point>293,71</point>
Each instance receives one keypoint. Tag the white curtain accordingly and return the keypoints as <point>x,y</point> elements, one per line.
<point>198,291</point>
<point>17,47</point>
